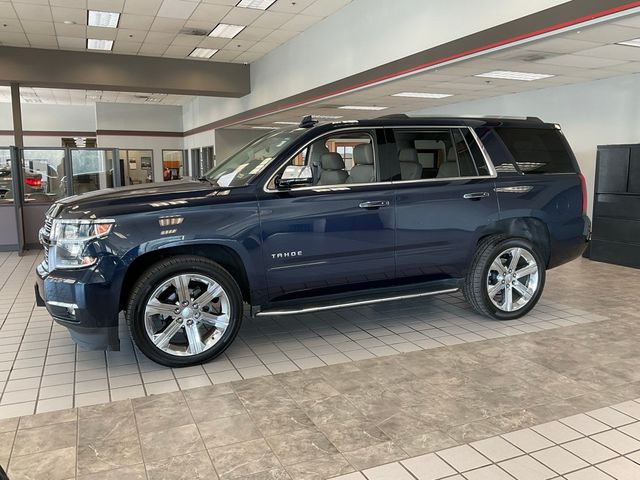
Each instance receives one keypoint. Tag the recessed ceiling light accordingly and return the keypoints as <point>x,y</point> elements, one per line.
<point>509,75</point>
<point>225,30</point>
<point>96,44</point>
<point>327,117</point>
<point>362,107</point>
<point>286,123</point>
<point>103,19</point>
<point>421,95</point>
<point>203,52</point>
<point>69,22</point>
<point>631,43</point>
<point>257,4</point>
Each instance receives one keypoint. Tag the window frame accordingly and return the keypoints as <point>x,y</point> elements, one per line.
<point>485,155</point>
<point>368,130</point>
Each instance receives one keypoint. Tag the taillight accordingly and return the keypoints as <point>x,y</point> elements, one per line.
<point>583,185</point>
<point>33,182</point>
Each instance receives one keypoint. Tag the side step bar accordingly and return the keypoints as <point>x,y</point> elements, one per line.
<point>356,303</point>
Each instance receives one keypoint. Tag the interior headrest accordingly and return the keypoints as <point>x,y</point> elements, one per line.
<point>332,161</point>
<point>451,156</point>
<point>317,151</point>
<point>363,154</point>
<point>408,155</point>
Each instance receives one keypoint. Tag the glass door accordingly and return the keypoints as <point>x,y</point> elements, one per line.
<point>172,165</point>
<point>137,166</point>
<point>93,169</point>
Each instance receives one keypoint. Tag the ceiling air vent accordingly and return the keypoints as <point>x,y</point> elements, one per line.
<point>196,32</point>
<point>530,56</point>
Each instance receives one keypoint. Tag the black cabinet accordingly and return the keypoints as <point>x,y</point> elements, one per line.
<point>616,206</point>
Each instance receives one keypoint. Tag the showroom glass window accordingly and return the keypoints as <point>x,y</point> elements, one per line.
<point>434,153</point>
<point>5,176</point>
<point>172,165</point>
<point>44,176</point>
<point>92,169</point>
<point>136,166</point>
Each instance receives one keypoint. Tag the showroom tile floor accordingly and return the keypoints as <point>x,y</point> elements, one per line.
<point>41,369</point>
<point>318,423</point>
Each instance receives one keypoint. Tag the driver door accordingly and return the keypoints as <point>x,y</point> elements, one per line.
<point>327,239</point>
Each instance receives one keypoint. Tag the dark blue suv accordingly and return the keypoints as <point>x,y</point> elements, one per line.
<point>313,218</point>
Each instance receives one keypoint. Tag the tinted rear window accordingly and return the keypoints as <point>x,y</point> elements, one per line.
<point>537,150</point>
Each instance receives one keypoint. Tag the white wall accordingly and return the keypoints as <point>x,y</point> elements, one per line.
<point>591,114</point>
<point>375,31</point>
<point>50,117</point>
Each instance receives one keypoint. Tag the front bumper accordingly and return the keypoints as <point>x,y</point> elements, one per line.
<point>84,301</point>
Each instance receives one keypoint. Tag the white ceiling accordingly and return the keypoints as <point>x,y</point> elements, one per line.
<point>60,96</point>
<point>574,57</point>
<point>160,28</point>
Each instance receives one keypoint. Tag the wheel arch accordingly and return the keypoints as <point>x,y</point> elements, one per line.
<point>224,255</point>
<point>530,228</point>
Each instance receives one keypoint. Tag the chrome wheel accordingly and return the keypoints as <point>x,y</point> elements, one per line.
<point>513,279</point>
<point>187,314</point>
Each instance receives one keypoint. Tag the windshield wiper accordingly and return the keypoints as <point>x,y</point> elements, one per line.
<point>208,180</point>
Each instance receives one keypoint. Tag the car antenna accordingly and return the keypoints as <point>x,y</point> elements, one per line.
<point>307,122</point>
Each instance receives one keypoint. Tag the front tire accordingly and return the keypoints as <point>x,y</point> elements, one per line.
<point>184,311</point>
<point>506,278</point>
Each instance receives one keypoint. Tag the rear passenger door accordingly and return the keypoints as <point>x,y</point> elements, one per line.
<point>444,195</point>
<point>337,235</point>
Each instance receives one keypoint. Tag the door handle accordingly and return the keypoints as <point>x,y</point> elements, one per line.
<point>374,204</point>
<point>475,195</point>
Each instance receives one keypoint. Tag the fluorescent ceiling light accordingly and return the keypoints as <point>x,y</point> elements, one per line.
<point>203,52</point>
<point>225,30</point>
<point>631,43</point>
<point>327,117</point>
<point>286,123</point>
<point>421,95</point>
<point>103,19</point>
<point>258,4</point>
<point>509,75</point>
<point>362,107</point>
<point>95,44</point>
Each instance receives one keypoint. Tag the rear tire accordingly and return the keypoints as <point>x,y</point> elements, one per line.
<point>184,310</point>
<point>506,277</point>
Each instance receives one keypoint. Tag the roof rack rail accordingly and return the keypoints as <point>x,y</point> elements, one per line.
<point>394,115</point>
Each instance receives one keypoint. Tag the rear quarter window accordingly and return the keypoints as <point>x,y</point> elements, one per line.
<point>538,150</point>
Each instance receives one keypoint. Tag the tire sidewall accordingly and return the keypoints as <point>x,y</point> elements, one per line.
<point>137,304</point>
<point>495,251</point>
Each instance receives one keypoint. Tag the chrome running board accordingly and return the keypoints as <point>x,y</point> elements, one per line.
<point>357,303</point>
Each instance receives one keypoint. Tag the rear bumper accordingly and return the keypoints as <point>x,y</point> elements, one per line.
<point>572,245</point>
<point>85,302</point>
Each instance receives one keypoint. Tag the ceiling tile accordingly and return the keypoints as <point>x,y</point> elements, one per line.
<point>176,9</point>
<point>242,16</point>
<point>179,51</point>
<point>135,22</point>
<point>106,5</point>
<point>142,7</point>
<point>300,23</point>
<point>212,14</point>
<point>620,52</point>
<point>263,46</point>
<point>62,14</point>
<point>27,11</point>
<point>560,45</point>
<point>13,38</point>
<point>10,25</point>
<point>607,33</point>
<point>630,21</point>
<point>253,33</point>
<point>160,38</point>
<point>239,45</point>
<point>152,49</point>
<point>213,42</point>
<point>123,46</point>
<point>130,35</point>
<point>280,36</point>
<point>42,41</point>
<point>247,57</point>
<point>64,30</point>
<point>7,11</point>
<point>72,43</point>
<point>69,3</point>
<point>167,25</point>
<point>102,33</point>
<point>272,19</point>
<point>324,8</point>
<point>42,28</point>
<point>222,2</point>
<point>187,40</point>
<point>288,6</point>
<point>578,61</point>
<point>225,55</point>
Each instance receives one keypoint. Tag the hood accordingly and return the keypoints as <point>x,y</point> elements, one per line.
<point>140,198</point>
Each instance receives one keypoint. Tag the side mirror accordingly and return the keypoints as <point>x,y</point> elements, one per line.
<point>295,176</point>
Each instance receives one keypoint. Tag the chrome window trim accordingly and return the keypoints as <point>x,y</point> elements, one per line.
<point>347,186</point>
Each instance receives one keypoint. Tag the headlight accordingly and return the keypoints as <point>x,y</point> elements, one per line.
<point>69,239</point>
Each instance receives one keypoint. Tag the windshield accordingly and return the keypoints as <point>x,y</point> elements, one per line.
<point>240,168</point>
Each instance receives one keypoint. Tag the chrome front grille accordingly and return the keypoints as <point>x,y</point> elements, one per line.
<point>45,239</point>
